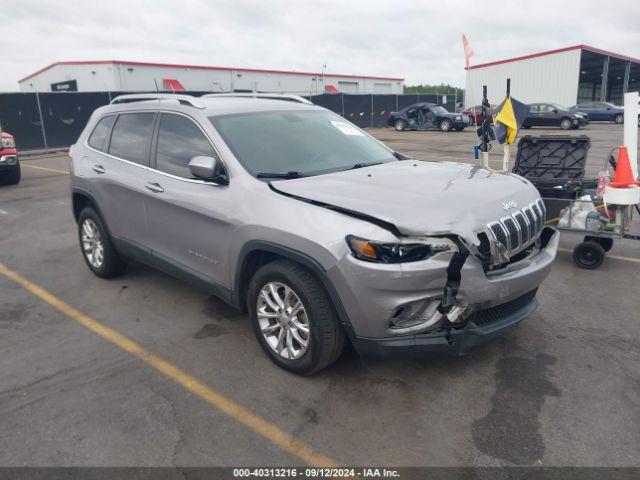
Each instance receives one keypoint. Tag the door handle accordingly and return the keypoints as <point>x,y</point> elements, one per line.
<point>154,187</point>
<point>98,169</point>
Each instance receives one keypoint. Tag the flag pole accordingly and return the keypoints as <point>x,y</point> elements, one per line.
<point>484,139</point>
<point>506,149</point>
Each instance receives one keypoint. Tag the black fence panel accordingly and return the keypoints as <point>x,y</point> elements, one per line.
<point>330,101</point>
<point>408,99</point>
<point>357,108</point>
<point>66,114</point>
<point>19,116</point>
<point>383,105</point>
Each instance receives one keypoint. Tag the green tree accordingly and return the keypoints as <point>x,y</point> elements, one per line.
<point>442,89</point>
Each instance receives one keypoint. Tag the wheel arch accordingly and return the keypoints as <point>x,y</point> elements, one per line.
<point>256,253</point>
<point>80,199</point>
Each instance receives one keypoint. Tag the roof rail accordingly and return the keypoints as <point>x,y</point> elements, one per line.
<point>269,96</point>
<point>148,97</point>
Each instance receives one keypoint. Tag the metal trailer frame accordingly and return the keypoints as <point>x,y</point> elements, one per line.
<point>590,253</point>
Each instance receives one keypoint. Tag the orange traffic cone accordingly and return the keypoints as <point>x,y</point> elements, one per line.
<point>623,177</point>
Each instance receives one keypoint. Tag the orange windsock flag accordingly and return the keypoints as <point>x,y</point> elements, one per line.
<point>468,51</point>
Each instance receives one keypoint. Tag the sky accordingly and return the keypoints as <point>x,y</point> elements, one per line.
<point>420,41</point>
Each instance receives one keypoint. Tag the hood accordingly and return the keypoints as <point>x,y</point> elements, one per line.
<point>417,197</point>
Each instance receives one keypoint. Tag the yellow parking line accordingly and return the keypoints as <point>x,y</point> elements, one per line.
<point>616,257</point>
<point>22,164</point>
<point>262,427</point>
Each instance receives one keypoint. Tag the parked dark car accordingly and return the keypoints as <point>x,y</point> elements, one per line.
<point>475,114</point>
<point>554,115</point>
<point>602,111</point>
<point>427,116</point>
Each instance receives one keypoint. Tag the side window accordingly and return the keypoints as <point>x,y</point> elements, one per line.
<point>535,108</point>
<point>98,138</point>
<point>131,136</point>
<point>179,140</point>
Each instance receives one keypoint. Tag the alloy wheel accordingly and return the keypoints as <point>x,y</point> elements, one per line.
<point>92,245</point>
<point>283,320</point>
<point>445,125</point>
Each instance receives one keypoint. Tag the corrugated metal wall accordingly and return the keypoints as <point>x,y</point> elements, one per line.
<point>549,78</point>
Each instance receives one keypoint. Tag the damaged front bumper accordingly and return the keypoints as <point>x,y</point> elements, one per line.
<point>481,305</point>
<point>454,340</point>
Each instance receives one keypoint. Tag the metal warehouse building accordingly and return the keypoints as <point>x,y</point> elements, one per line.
<point>116,75</point>
<point>565,76</point>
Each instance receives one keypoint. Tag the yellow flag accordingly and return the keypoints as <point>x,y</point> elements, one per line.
<point>507,117</point>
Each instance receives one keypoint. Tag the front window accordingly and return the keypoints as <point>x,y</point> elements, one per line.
<point>298,143</point>
<point>438,110</point>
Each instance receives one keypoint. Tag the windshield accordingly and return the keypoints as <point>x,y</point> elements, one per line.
<point>558,107</point>
<point>438,110</point>
<point>298,143</point>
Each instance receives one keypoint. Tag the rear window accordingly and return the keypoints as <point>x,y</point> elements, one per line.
<point>131,136</point>
<point>98,138</point>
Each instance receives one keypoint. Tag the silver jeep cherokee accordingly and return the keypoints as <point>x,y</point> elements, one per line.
<point>319,230</point>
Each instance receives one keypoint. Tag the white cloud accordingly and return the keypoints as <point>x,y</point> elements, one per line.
<point>418,40</point>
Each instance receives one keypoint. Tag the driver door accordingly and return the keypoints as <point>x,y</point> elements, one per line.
<point>187,219</point>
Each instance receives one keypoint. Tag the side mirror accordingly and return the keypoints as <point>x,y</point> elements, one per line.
<point>207,168</point>
<point>555,110</point>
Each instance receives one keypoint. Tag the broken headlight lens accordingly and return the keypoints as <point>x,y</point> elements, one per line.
<point>372,251</point>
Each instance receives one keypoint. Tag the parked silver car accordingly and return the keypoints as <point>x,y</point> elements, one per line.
<point>320,231</point>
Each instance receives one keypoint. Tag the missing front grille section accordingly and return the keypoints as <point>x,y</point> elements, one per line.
<point>454,275</point>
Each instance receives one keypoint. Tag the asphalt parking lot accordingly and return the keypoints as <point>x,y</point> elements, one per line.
<point>146,371</point>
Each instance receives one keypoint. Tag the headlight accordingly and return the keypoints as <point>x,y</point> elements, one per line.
<point>8,143</point>
<point>372,251</point>
<point>458,118</point>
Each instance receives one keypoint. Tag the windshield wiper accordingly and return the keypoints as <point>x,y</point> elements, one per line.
<point>363,164</point>
<point>290,174</point>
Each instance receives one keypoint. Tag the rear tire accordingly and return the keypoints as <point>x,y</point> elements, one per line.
<point>400,125</point>
<point>588,255</point>
<point>326,338</point>
<point>13,175</point>
<point>97,247</point>
<point>605,242</point>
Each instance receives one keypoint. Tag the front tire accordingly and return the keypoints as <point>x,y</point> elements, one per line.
<point>446,125</point>
<point>293,318</point>
<point>400,125</point>
<point>97,248</point>
<point>619,119</point>
<point>566,123</point>
<point>588,255</point>
<point>13,176</point>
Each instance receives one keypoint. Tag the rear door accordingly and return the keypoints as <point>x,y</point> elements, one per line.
<point>549,115</point>
<point>118,164</point>
<point>535,116</point>
<point>587,108</point>
<point>187,218</point>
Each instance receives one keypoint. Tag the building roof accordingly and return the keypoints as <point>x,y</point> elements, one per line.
<point>553,52</point>
<point>201,67</point>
